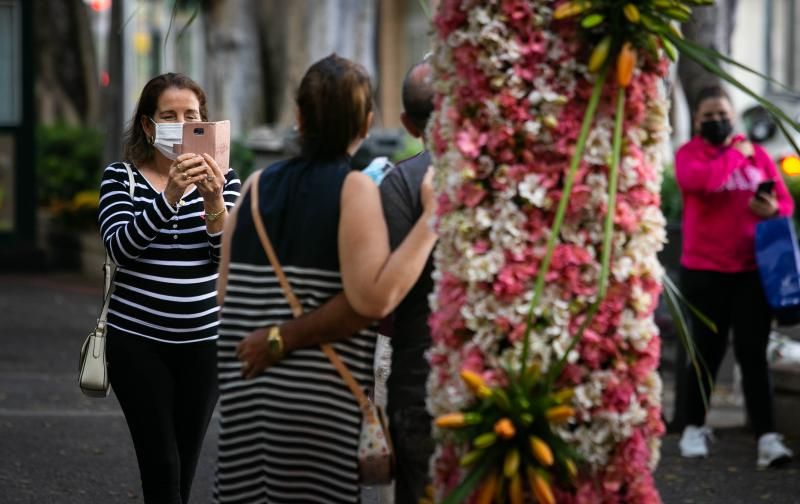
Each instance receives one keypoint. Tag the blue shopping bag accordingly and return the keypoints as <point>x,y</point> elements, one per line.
<point>778,259</point>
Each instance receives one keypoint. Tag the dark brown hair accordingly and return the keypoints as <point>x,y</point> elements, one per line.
<point>708,93</point>
<point>136,146</point>
<point>334,102</point>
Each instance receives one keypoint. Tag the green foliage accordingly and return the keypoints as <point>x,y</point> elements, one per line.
<point>671,203</point>
<point>793,184</point>
<point>68,161</point>
<point>242,159</point>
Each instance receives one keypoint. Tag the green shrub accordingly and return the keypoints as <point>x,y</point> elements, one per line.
<point>242,159</point>
<point>68,171</point>
<point>671,202</point>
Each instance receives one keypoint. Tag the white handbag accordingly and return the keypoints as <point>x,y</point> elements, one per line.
<point>93,368</point>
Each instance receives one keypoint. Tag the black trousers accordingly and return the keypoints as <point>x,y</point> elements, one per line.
<point>733,301</point>
<point>410,429</point>
<point>168,393</point>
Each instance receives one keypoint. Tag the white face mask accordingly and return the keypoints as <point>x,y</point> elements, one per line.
<point>167,135</point>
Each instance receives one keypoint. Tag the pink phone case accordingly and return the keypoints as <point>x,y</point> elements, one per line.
<point>213,138</point>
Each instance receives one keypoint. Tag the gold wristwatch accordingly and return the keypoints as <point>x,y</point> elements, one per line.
<point>275,343</point>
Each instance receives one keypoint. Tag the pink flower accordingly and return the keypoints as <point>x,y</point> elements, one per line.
<point>471,194</point>
<point>470,142</point>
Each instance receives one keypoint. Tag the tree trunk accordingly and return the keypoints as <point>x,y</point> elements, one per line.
<point>710,27</point>
<point>66,83</point>
<point>258,51</point>
<point>113,116</point>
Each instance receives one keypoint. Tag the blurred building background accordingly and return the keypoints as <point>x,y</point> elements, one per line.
<point>71,72</point>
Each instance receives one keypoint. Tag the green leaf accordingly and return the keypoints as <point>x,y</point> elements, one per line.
<point>423,4</point>
<point>669,284</point>
<point>577,155</point>
<point>608,235</point>
<point>716,54</point>
<point>686,340</point>
<point>787,135</point>
<point>464,489</point>
<point>710,65</point>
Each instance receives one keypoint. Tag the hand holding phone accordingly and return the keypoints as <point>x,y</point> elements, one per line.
<point>765,188</point>
<point>212,138</point>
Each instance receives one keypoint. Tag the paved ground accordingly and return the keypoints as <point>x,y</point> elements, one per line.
<point>60,447</point>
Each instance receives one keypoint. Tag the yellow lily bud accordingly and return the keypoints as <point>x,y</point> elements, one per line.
<point>532,373</point>
<point>515,489</point>
<point>599,54</point>
<point>429,492</point>
<point>678,14</point>
<point>457,420</point>
<point>450,421</point>
<point>626,62</point>
<point>672,53</point>
<point>504,428</point>
<point>572,469</point>
<point>488,487</point>
<point>675,30</point>
<point>632,13</point>
<point>475,384</point>
<point>541,451</point>
<point>558,414</point>
<point>485,440</point>
<point>563,395</point>
<point>470,458</point>
<point>511,463</point>
<point>569,9</point>
<point>540,487</point>
<point>592,20</point>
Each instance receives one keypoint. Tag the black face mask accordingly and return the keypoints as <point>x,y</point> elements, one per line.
<point>716,132</point>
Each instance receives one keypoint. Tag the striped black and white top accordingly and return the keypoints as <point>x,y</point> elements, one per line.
<point>291,434</point>
<point>165,285</point>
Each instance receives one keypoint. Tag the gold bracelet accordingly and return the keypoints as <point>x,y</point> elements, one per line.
<point>211,217</point>
<point>275,345</point>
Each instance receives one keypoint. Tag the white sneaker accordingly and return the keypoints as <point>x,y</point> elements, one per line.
<point>694,441</point>
<point>771,451</point>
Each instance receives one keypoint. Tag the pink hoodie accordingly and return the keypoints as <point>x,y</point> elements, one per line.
<point>717,184</point>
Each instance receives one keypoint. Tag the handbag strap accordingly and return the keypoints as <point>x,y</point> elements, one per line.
<point>297,309</point>
<point>109,269</point>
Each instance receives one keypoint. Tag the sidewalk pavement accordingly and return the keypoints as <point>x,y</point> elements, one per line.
<point>61,447</point>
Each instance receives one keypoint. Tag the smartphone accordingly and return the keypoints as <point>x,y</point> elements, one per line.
<point>212,138</point>
<point>765,188</point>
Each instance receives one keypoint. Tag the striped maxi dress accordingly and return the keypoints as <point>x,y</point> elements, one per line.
<point>291,434</point>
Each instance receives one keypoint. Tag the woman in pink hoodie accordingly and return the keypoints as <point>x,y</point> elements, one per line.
<point>718,173</point>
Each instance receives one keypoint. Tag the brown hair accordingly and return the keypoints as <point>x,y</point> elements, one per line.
<point>136,146</point>
<point>334,102</point>
<point>709,92</point>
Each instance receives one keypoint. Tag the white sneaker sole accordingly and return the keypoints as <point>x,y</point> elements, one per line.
<point>774,463</point>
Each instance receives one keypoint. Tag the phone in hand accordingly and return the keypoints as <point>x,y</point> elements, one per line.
<point>212,138</point>
<point>765,188</point>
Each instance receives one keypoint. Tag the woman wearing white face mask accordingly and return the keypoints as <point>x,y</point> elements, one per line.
<point>162,318</point>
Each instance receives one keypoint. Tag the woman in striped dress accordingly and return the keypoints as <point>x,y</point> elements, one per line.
<point>290,435</point>
<point>162,318</point>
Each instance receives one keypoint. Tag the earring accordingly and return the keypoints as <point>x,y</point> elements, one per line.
<point>152,140</point>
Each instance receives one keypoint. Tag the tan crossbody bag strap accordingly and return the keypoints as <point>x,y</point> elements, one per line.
<point>297,308</point>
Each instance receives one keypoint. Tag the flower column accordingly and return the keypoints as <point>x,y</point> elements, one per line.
<point>513,90</point>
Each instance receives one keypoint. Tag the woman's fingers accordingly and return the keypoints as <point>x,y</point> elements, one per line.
<point>186,162</point>
<point>216,170</point>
